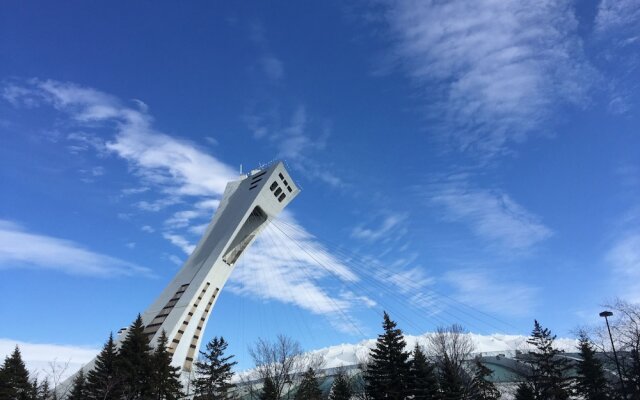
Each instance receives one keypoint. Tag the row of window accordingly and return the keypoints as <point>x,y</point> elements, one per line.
<point>185,322</point>
<point>255,179</point>
<point>194,341</point>
<point>151,329</point>
<point>278,192</point>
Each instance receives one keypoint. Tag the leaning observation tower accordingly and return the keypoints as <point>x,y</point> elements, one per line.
<point>184,306</point>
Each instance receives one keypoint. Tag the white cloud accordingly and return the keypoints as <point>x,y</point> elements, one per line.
<point>162,159</point>
<point>624,257</point>
<point>22,249</point>
<point>391,225</point>
<point>175,259</point>
<point>147,228</point>
<point>492,214</point>
<point>496,69</point>
<point>157,158</point>
<point>182,219</point>
<point>180,241</point>
<point>486,292</point>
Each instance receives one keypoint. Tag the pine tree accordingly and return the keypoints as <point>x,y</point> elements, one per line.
<point>388,372</point>
<point>35,386</point>
<point>103,381</point>
<point>134,363</point>
<point>309,388</point>
<point>591,383</point>
<point>423,382</point>
<point>548,368</point>
<point>632,371</point>
<point>165,380</point>
<point>481,387</point>
<point>451,382</point>
<point>525,392</point>
<point>79,387</point>
<point>213,371</point>
<point>43,390</point>
<point>15,384</point>
<point>269,390</point>
<point>341,388</point>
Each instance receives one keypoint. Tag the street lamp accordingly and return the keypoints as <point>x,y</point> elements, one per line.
<point>606,315</point>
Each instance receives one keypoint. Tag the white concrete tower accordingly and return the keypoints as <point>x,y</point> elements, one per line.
<point>183,308</point>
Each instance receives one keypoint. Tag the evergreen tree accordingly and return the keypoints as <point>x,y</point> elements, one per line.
<point>451,383</point>
<point>481,387</point>
<point>632,371</point>
<point>43,390</point>
<point>103,380</point>
<point>309,388</point>
<point>423,382</point>
<point>591,383</point>
<point>165,380</point>
<point>79,387</point>
<point>269,390</point>
<point>548,368</point>
<point>134,363</point>
<point>388,372</point>
<point>213,372</point>
<point>14,382</point>
<point>525,392</point>
<point>35,385</point>
<point>341,388</point>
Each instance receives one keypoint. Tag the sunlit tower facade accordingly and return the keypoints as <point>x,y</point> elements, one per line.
<point>184,307</point>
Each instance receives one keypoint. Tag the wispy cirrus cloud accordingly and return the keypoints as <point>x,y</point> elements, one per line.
<point>492,72</point>
<point>296,138</point>
<point>618,33</point>
<point>614,15</point>
<point>179,240</point>
<point>270,64</point>
<point>484,291</point>
<point>179,172</point>
<point>491,214</point>
<point>624,259</point>
<point>390,227</point>
<point>289,128</point>
<point>20,248</point>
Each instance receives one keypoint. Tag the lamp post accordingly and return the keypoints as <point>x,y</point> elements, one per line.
<point>606,315</point>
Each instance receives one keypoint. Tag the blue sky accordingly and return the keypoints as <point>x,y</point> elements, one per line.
<point>449,153</point>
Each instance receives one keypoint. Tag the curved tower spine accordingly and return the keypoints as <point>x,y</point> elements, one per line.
<point>183,308</point>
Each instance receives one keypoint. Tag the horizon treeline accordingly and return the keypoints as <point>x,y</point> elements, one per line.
<point>442,369</point>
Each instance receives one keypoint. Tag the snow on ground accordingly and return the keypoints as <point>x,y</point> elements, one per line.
<point>46,360</point>
<point>39,358</point>
<point>350,354</point>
